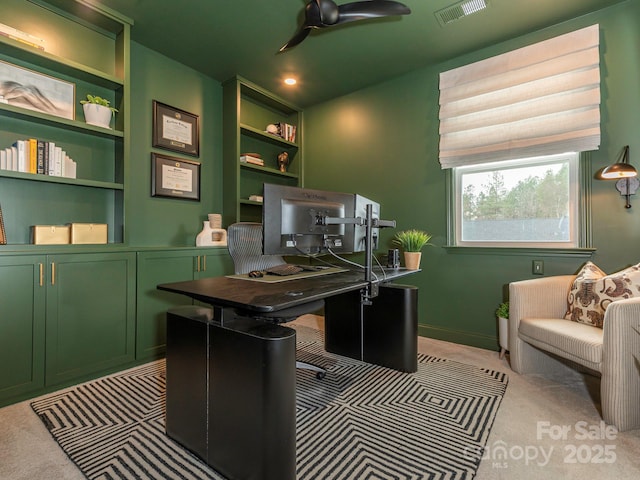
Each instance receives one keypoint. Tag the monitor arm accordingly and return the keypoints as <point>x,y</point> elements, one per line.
<point>369,223</point>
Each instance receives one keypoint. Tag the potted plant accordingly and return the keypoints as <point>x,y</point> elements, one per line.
<point>97,111</point>
<point>502,313</point>
<point>412,241</point>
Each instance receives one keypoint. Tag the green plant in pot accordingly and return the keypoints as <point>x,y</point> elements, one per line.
<point>412,242</point>
<point>97,111</point>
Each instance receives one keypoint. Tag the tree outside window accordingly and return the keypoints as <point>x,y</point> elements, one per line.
<point>530,202</point>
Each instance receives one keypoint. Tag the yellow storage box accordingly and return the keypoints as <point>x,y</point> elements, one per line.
<point>50,234</point>
<point>88,232</point>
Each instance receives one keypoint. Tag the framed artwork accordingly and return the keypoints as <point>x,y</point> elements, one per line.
<point>175,177</point>
<point>35,91</point>
<point>3,235</point>
<point>175,129</point>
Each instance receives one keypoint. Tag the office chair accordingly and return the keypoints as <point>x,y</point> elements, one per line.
<point>244,241</point>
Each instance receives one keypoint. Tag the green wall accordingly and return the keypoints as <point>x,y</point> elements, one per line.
<point>382,142</point>
<point>161,221</point>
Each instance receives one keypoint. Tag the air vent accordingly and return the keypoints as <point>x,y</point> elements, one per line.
<point>460,10</point>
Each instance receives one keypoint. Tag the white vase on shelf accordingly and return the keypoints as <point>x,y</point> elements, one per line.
<point>212,235</point>
<point>97,115</point>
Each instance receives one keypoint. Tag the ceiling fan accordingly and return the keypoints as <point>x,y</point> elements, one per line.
<point>325,13</point>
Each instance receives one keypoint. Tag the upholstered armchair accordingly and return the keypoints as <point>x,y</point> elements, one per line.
<point>542,341</point>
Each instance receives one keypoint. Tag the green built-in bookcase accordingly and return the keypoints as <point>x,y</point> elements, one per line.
<point>87,47</point>
<point>247,110</point>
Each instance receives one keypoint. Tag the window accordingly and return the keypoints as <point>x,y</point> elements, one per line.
<point>530,104</point>
<point>532,202</point>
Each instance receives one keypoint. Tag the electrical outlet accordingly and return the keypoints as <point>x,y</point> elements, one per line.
<point>538,267</point>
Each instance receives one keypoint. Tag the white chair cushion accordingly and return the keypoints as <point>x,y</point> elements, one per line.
<point>571,340</point>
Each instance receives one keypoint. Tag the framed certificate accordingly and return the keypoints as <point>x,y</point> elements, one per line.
<point>175,177</point>
<point>175,129</point>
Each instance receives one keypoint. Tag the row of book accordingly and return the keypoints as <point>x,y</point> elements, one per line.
<point>286,131</point>
<point>38,157</point>
<point>20,36</point>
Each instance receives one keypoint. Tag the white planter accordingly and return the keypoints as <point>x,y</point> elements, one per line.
<point>97,115</point>
<point>503,335</point>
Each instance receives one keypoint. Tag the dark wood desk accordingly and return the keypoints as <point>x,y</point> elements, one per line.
<point>231,378</point>
<point>270,297</point>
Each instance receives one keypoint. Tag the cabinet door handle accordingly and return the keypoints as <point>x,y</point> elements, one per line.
<point>204,263</point>
<point>41,266</point>
<point>53,273</point>
<point>198,263</point>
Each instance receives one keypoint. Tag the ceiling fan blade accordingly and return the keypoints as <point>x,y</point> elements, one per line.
<point>326,13</point>
<point>350,12</point>
<point>296,39</point>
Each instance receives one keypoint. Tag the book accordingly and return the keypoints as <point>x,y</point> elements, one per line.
<point>14,159</point>
<point>33,155</point>
<point>57,164</point>
<point>286,131</point>
<point>51,158</point>
<point>21,152</point>
<point>45,166</point>
<point>40,161</point>
<point>3,159</point>
<point>252,160</point>
<point>20,36</point>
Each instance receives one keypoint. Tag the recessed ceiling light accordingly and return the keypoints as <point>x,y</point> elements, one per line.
<point>290,81</point>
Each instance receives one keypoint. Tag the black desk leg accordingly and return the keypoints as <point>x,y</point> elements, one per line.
<point>248,415</point>
<point>384,333</point>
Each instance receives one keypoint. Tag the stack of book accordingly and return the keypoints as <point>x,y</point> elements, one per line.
<point>26,38</point>
<point>252,158</point>
<point>39,157</point>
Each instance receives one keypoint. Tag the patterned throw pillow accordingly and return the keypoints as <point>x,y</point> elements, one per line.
<point>593,290</point>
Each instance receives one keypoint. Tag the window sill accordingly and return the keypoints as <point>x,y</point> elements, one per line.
<point>538,251</point>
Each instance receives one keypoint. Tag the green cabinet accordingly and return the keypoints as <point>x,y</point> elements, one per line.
<point>87,49</point>
<point>247,111</point>
<point>22,316</point>
<point>166,266</point>
<point>64,317</point>
<point>90,321</point>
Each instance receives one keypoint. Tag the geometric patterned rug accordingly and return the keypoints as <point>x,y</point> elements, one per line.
<point>360,422</point>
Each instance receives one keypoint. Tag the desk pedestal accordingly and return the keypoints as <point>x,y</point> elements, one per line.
<point>231,392</point>
<point>384,333</point>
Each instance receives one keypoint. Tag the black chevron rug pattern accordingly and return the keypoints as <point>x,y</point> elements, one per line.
<point>360,422</point>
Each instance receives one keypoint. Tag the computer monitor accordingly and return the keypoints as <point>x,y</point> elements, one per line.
<point>293,221</point>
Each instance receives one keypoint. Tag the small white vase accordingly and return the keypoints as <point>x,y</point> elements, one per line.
<point>412,260</point>
<point>212,235</point>
<point>97,115</point>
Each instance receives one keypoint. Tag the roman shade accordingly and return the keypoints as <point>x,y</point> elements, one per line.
<point>542,99</point>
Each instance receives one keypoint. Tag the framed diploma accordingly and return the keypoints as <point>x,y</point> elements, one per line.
<point>175,129</point>
<point>175,177</point>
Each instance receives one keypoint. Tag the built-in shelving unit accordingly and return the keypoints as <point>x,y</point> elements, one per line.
<point>248,110</point>
<point>87,46</point>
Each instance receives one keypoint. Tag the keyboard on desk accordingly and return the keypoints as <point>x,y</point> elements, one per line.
<point>284,269</point>
<point>290,269</point>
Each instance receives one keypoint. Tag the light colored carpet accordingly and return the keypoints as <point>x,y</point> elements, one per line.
<point>519,447</point>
